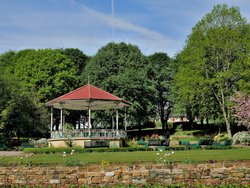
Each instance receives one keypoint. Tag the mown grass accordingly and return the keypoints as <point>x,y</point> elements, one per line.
<point>187,156</point>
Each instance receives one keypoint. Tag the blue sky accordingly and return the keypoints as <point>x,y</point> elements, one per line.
<point>152,25</point>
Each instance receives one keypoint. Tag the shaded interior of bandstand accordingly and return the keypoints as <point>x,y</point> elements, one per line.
<point>86,131</point>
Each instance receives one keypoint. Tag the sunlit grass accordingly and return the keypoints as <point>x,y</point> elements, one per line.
<point>133,157</point>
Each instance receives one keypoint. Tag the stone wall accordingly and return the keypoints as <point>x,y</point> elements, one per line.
<point>146,173</point>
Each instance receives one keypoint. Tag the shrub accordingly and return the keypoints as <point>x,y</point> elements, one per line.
<point>133,143</point>
<point>242,138</point>
<point>207,142</point>
<point>84,150</point>
<point>221,137</point>
<point>72,162</point>
<point>69,142</point>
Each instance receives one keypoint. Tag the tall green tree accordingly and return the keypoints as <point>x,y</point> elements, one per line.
<point>162,70</point>
<point>121,69</point>
<point>214,55</point>
<point>46,73</point>
<point>19,115</point>
<point>77,57</point>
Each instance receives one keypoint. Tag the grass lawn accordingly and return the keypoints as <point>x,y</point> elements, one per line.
<point>188,156</point>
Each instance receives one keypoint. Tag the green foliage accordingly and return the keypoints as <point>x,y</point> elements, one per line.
<point>68,127</point>
<point>19,114</point>
<point>83,150</point>
<point>211,63</point>
<point>161,71</point>
<point>121,69</point>
<point>40,143</point>
<point>72,161</point>
<point>47,73</point>
<point>133,143</point>
<point>28,79</point>
<point>241,138</point>
<point>221,137</point>
<point>69,142</point>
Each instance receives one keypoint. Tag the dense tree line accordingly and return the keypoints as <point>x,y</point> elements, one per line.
<point>200,81</point>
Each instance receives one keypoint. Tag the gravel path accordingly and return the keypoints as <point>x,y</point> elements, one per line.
<point>11,153</point>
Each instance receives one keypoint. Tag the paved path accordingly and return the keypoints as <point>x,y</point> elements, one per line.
<point>11,153</point>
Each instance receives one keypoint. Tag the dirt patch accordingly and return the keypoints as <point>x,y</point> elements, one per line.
<point>11,153</point>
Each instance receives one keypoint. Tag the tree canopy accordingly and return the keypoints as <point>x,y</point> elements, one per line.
<point>213,58</point>
<point>161,71</point>
<point>122,69</point>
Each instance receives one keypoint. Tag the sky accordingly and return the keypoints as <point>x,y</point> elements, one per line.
<point>152,25</point>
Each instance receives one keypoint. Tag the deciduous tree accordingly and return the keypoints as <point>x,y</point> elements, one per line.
<point>214,54</point>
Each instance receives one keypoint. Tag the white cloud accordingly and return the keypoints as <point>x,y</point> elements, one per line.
<point>83,27</point>
<point>69,23</point>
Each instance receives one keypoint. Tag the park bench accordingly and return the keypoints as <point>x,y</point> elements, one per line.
<point>205,142</point>
<point>158,142</point>
<point>27,145</point>
<point>223,144</point>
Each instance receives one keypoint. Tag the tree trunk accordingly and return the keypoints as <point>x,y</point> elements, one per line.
<point>227,121</point>
<point>163,123</point>
<point>202,121</point>
<point>225,111</point>
<point>207,121</point>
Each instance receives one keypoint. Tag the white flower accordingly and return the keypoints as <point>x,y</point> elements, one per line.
<point>64,155</point>
<point>21,157</point>
<point>160,150</point>
<point>71,153</point>
<point>73,150</point>
<point>157,153</point>
<point>172,152</point>
<point>64,152</point>
<point>167,154</point>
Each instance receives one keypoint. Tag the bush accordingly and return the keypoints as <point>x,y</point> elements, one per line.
<point>133,143</point>
<point>242,138</point>
<point>207,142</point>
<point>84,150</point>
<point>72,162</point>
<point>41,143</point>
<point>221,137</point>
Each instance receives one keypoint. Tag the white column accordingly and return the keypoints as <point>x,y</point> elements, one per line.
<point>117,122</point>
<point>89,121</point>
<point>61,119</point>
<point>125,120</point>
<point>112,116</point>
<point>51,119</point>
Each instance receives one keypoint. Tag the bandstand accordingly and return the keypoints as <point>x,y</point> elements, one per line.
<point>88,98</point>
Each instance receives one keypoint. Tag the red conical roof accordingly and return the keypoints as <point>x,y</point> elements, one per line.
<point>78,98</point>
<point>88,92</point>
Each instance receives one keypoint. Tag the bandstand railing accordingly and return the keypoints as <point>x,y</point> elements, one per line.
<point>92,133</point>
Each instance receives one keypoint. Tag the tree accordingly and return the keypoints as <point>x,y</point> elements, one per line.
<point>214,54</point>
<point>162,70</point>
<point>121,69</point>
<point>77,57</point>
<point>7,62</point>
<point>242,109</point>
<point>46,73</point>
<point>19,115</point>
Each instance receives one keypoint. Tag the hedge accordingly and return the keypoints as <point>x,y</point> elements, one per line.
<point>123,149</point>
<point>84,150</point>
